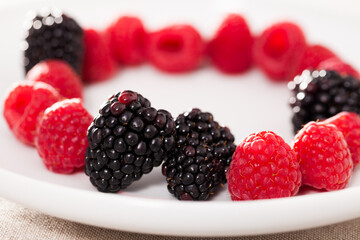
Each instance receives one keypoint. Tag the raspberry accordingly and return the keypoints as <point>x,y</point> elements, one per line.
<point>197,166</point>
<point>61,140</point>
<point>127,139</point>
<point>349,124</point>
<point>324,156</point>
<point>99,64</point>
<point>278,50</point>
<point>58,74</point>
<point>54,35</point>
<point>231,48</point>
<point>24,105</point>
<point>176,48</point>
<point>322,94</point>
<point>127,40</point>
<point>336,64</point>
<point>263,166</point>
<point>313,56</point>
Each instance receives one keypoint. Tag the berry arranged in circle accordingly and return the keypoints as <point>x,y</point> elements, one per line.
<point>58,74</point>
<point>321,94</point>
<point>61,141</point>
<point>24,106</point>
<point>336,64</point>
<point>54,35</point>
<point>313,56</point>
<point>203,152</point>
<point>230,50</point>
<point>323,155</point>
<point>126,140</point>
<point>263,166</point>
<point>177,48</point>
<point>349,124</point>
<point>278,50</point>
<point>129,137</point>
<point>127,38</point>
<point>99,63</point>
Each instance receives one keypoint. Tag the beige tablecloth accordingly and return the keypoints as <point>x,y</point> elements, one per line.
<point>18,222</point>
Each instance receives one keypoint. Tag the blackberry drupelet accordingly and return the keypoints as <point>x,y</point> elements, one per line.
<point>321,94</point>
<point>54,35</point>
<point>126,140</point>
<point>203,154</point>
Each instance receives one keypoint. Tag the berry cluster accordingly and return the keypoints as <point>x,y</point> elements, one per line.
<point>280,51</point>
<point>323,156</point>
<point>39,116</point>
<point>204,150</point>
<point>321,94</point>
<point>54,35</point>
<point>128,138</point>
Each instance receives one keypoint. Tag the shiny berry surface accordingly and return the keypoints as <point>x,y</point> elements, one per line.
<point>126,140</point>
<point>54,35</point>
<point>318,95</point>
<point>203,152</point>
<point>127,97</point>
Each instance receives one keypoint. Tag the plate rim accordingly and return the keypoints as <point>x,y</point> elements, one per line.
<point>60,199</point>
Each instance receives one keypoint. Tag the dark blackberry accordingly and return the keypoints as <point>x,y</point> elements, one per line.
<point>54,35</point>
<point>203,154</point>
<point>126,140</point>
<point>321,94</point>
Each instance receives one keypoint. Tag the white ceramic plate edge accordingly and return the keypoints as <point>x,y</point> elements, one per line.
<point>224,218</point>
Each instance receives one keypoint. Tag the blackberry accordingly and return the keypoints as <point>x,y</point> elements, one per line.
<point>54,35</point>
<point>203,154</point>
<point>126,140</point>
<point>321,94</point>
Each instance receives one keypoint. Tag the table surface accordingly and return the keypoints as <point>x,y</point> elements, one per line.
<point>19,222</point>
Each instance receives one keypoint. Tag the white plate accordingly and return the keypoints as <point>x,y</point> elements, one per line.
<point>246,103</point>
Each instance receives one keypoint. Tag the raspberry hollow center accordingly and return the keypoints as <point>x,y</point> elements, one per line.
<point>19,106</point>
<point>171,44</point>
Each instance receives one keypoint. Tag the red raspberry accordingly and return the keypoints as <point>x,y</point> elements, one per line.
<point>23,106</point>
<point>349,124</point>
<point>313,56</point>
<point>176,48</point>
<point>61,141</point>
<point>231,48</point>
<point>263,166</point>
<point>324,156</point>
<point>279,49</point>
<point>127,40</point>
<point>338,65</point>
<point>99,64</point>
<point>58,74</point>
